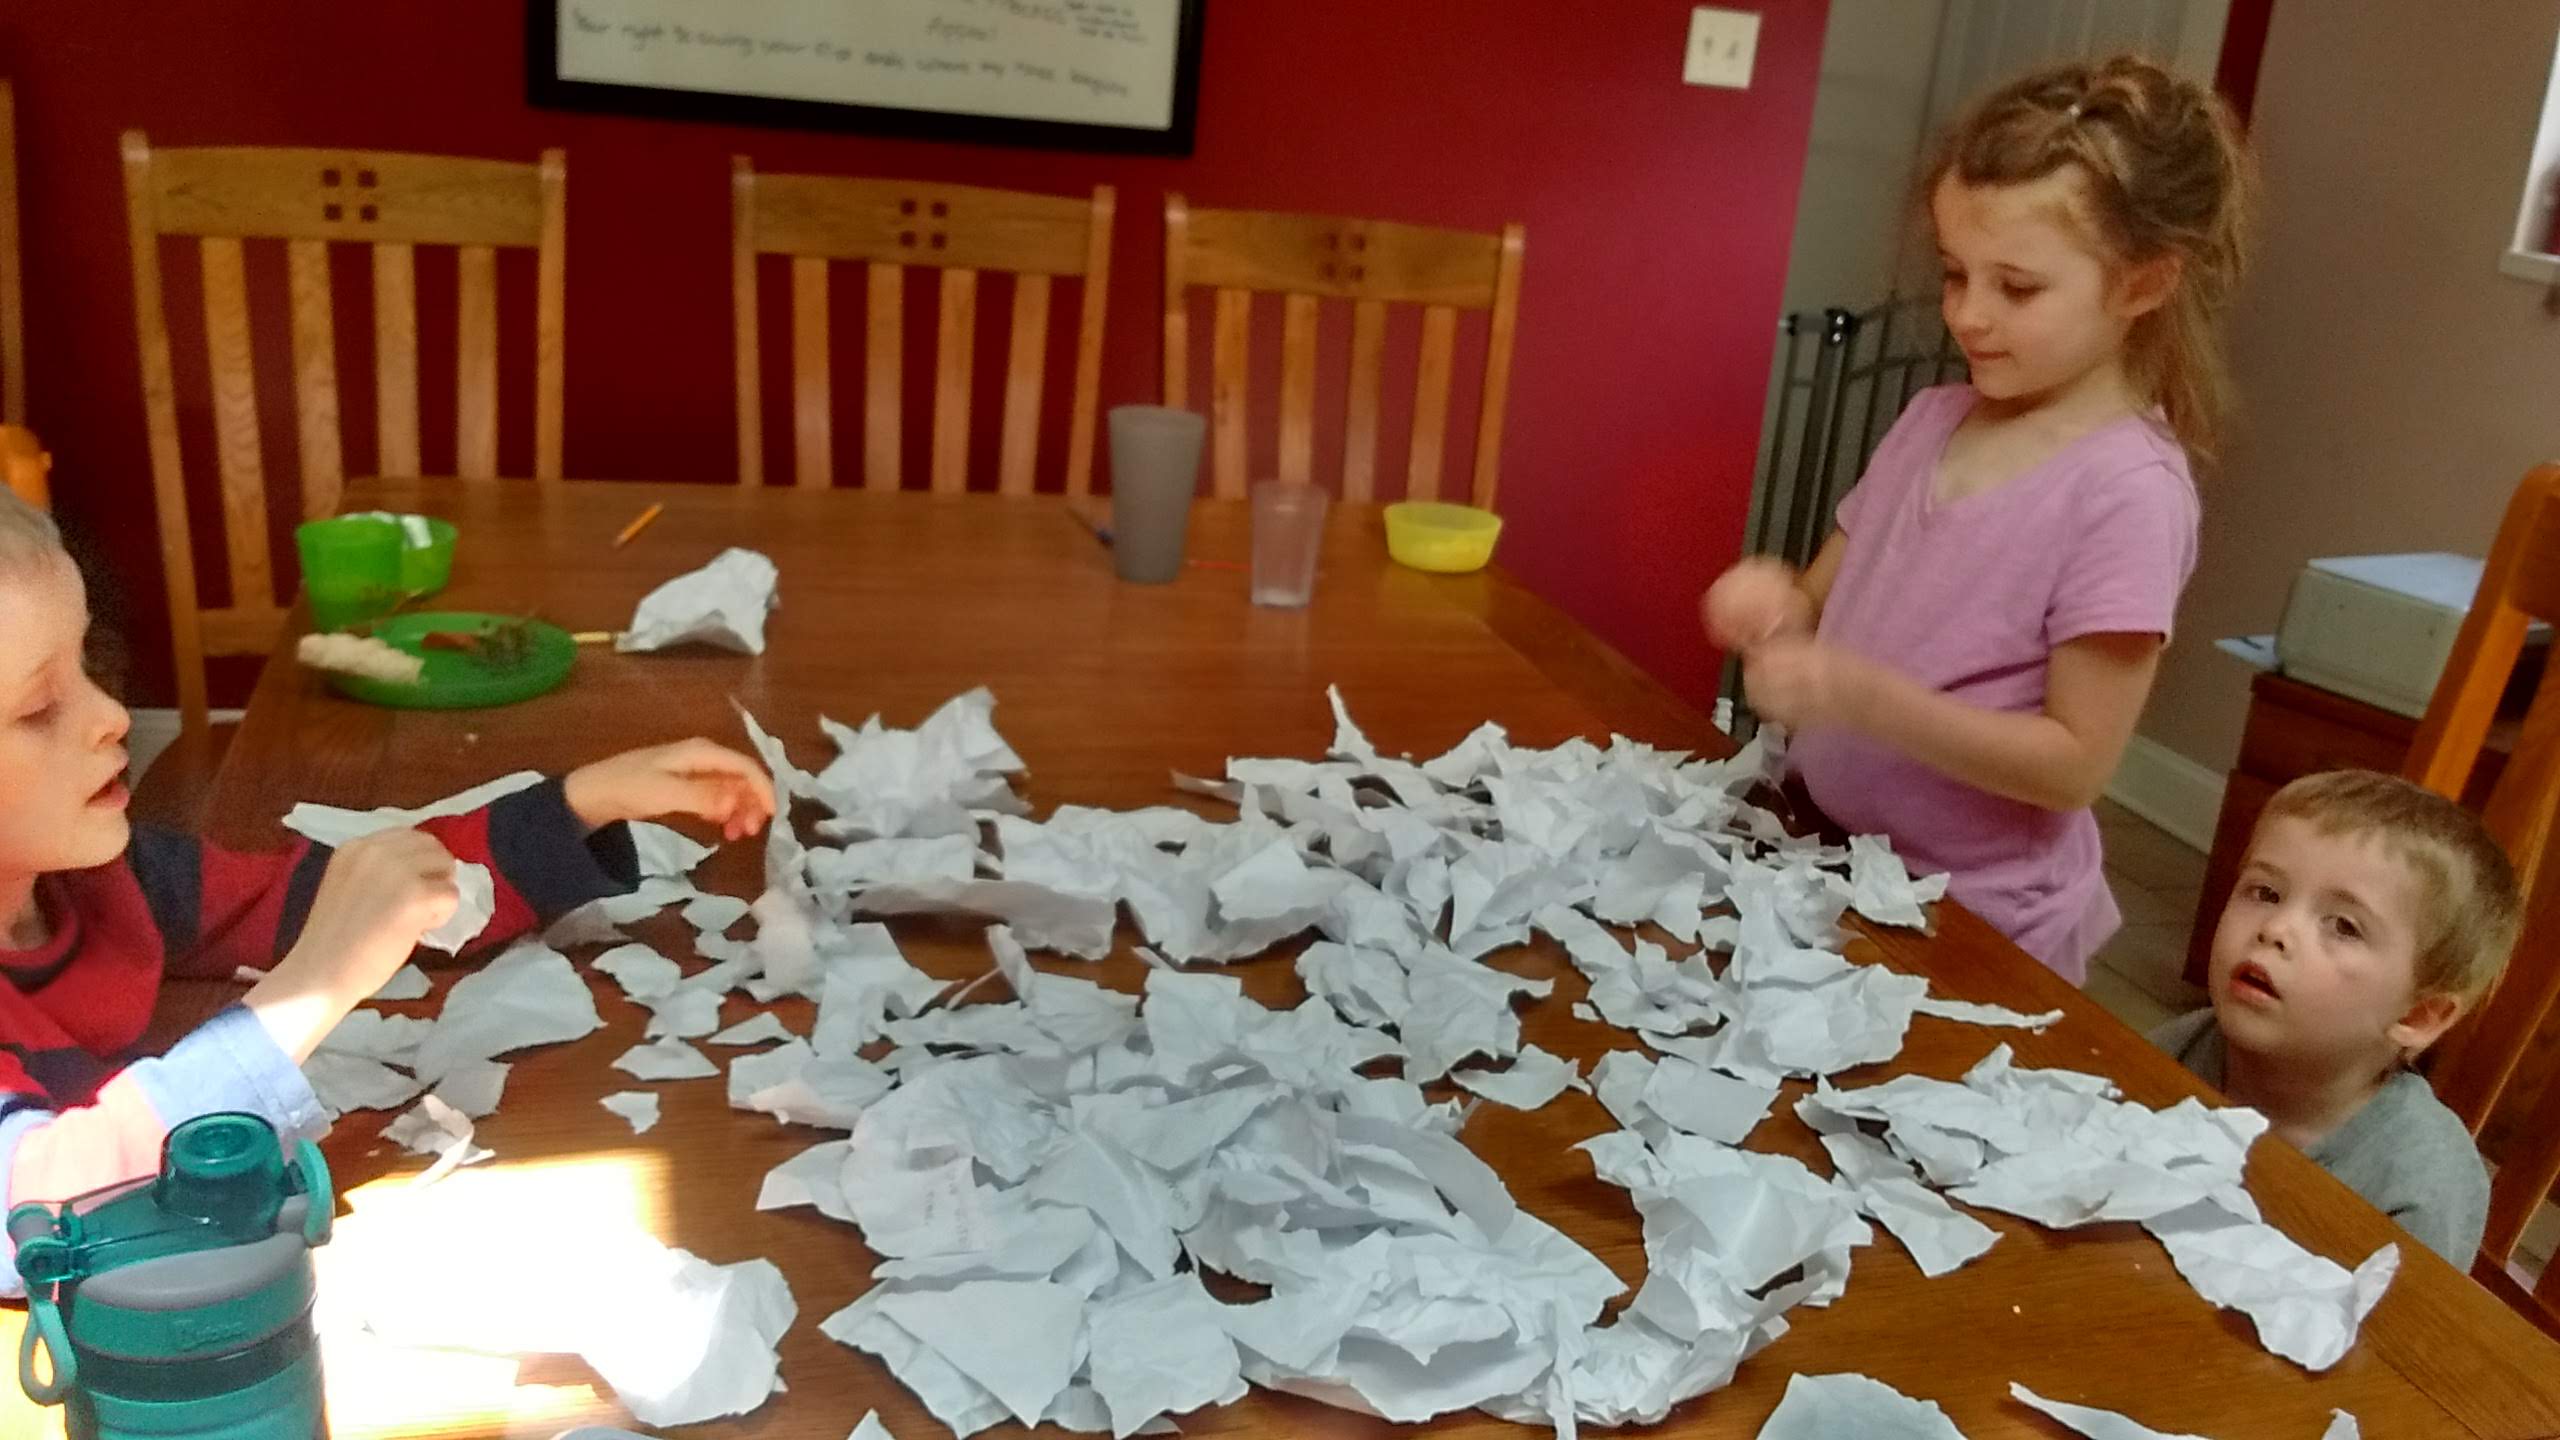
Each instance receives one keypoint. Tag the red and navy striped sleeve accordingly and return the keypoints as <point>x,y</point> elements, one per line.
<point>218,910</point>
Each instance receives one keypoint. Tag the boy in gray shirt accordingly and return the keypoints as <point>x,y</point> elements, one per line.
<point>2370,915</point>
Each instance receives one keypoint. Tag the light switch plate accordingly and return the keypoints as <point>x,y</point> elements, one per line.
<point>1722,44</point>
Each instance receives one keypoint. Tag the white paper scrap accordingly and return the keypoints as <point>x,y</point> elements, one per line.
<point>664,852</point>
<point>1880,888</point>
<point>1158,1349</point>
<point>474,1087</point>
<point>1366,986</point>
<point>1699,1100</point>
<point>951,1396</point>
<point>1972,1014</point>
<point>376,1035</point>
<point>1835,1407</point>
<point>642,972</point>
<point>1019,1340</point>
<point>705,1348</point>
<point>1535,1077</point>
<point>589,924</point>
<point>528,995</point>
<point>330,825</point>
<point>724,604</point>
<point>2307,1308</point>
<point>765,1069</point>
<point>2088,1420</point>
<point>828,1090</point>
<point>471,916</point>
<point>1043,919</point>
<point>714,914</point>
<point>756,1029</point>
<point>689,1013</point>
<point>886,783</point>
<point>356,1082</point>
<point>406,983</point>
<point>813,1177</point>
<point>1940,1237</point>
<point>437,1129</point>
<point>668,1059</point>
<point>639,1107</point>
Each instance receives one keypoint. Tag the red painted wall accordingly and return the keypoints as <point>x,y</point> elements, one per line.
<point>1658,219</point>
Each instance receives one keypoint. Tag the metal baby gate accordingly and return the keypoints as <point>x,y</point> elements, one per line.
<point>1842,378</point>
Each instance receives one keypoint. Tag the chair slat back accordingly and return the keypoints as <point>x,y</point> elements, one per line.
<point>1372,264</point>
<point>889,227</point>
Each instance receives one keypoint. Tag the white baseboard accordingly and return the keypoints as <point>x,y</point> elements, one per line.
<point>2169,790</point>
<point>155,730</point>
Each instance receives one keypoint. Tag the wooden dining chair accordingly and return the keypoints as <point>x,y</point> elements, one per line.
<point>891,226</point>
<point>1373,264</point>
<point>223,196</point>
<point>13,313</point>
<point>2479,1062</point>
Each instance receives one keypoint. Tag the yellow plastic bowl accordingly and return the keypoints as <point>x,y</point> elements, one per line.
<point>1444,539</point>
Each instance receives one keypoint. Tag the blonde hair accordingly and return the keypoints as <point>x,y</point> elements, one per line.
<point>2469,907</point>
<point>2164,175</point>
<point>27,534</point>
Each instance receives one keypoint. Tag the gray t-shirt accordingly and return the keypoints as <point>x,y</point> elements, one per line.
<point>2403,1151</point>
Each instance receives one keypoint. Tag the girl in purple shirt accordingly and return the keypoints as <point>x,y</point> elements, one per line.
<point>1964,660</point>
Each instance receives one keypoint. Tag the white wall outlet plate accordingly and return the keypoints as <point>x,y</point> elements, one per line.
<point>1721,46</point>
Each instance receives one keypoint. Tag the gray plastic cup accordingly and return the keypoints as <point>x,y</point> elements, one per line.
<point>1155,472</point>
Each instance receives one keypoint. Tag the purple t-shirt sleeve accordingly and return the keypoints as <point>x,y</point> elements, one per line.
<point>2134,548</point>
<point>1853,506</point>
<point>1889,471</point>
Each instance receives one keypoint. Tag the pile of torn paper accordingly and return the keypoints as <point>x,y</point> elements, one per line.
<point>1052,1179</point>
<point>1048,1214</point>
<point>2056,1147</point>
<point>528,995</point>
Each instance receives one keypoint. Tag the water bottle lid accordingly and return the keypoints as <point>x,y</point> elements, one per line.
<point>226,1170</point>
<point>215,1146</point>
<point>223,1183</point>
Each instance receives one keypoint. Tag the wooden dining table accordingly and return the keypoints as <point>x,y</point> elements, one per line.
<point>891,604</point>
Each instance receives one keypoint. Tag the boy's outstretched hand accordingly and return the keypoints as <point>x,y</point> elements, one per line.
<point>690,777</point>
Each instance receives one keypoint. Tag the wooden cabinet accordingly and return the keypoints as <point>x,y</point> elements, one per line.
<point>2296,730</point>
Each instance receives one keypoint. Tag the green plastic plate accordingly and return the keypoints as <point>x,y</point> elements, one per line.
<point>455,681</point>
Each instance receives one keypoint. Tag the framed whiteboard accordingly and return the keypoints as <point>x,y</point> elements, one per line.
<point>1120,75</point>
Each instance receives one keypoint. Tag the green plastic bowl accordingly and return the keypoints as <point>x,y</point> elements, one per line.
<point>355,567</point>
<point>1442,538</point>
<point>426,569</point>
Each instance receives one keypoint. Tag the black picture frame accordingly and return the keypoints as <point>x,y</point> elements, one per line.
<point>544,88</point>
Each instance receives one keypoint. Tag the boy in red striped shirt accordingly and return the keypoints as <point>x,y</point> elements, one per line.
<point>95,911</point>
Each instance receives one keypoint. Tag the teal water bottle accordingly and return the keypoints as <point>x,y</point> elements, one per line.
<point>179,1307</point>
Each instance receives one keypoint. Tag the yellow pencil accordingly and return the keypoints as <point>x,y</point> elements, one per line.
<point>637,525</point>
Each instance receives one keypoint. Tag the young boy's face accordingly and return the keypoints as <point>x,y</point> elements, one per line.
<point>62,755</point>
<point>2315,959</point>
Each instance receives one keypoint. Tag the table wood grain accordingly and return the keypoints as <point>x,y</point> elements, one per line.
<point>892,604</point>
